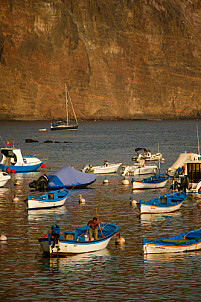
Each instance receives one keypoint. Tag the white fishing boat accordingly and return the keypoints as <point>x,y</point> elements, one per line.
<point>4,178</point>
<point>13,161</point>
<point>166,203</point>
<point>181,160</point>
<point>144,153</point>
<point>138,169</point>
<point>77,242</point>
<point>51,199</point>
<point>156,181</point>
<point>190,179</point>
<point>66,125</point>
<point>105,168</point>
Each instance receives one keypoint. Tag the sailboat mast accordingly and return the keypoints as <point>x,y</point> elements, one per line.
<point>66,105</point>
<point>198,140</point>
<point>73,109</point>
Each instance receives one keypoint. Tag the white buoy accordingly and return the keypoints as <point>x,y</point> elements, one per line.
<point>125,181</point>
<point>15,198</point>
<point>105,181</point>
<point>120,240</point>
<point>3,238</point>
<point>81,200</point>
<point>133,201</point>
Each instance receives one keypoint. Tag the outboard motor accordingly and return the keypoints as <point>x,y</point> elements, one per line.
<point>41,184</point>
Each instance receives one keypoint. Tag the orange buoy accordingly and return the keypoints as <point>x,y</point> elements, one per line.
<point>105,181</point>
<point>120,240</point>
<point>15,198</point>
<point>125,181</point>
<point>3,238</point>
<point>133,201</point>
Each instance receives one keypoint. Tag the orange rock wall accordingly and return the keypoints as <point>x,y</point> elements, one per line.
<point>121,59</point>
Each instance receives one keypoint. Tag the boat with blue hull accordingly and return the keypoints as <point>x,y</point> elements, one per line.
<point>156,181</point>
<point>52,199</point>
<point>77,242</point>
<point>13,161</point>
<point>185,242</point>
<point>166,203</point>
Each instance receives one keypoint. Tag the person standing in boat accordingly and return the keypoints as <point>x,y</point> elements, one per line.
<point>92,228</point>
<point>55,234</point>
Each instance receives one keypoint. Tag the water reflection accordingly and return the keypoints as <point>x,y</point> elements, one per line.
<point>148,219</point>
<point>157,263</point>
<point>45,214</point>
<point>82,262</point>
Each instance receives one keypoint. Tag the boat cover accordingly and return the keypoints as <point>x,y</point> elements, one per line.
<point>68,177</point>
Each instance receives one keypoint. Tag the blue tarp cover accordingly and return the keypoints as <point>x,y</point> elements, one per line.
<point>69,177</point>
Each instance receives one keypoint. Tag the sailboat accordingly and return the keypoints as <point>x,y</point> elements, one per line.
<point>65,125</point>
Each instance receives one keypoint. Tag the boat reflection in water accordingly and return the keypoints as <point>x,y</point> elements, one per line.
<point>162,264</point>
<point>35,215</point>
<point>148,219</point>
<point>82,262</point>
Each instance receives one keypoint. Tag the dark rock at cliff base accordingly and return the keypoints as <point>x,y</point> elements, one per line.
<point>29,140</point>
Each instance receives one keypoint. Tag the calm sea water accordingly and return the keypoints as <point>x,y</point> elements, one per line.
<point>114,274</point>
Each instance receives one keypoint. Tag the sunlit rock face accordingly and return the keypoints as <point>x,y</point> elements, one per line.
<point>121,59</point>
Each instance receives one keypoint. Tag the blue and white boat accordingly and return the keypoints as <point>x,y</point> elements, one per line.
<point>77,242</point>
<point>166,203</point>
<point>156,181</point>
<point>185,242</point>
<point>13,161</point>
<point>52,199</point>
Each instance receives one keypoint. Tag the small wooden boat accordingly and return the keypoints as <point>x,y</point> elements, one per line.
<point>188,241</point>
<point>154,182</point>
<point>13,161</point>
<point>105,168</point>
<point>51,199</point>
<point>166,203</point>
<point>4,178</point>
<point>77,242</point>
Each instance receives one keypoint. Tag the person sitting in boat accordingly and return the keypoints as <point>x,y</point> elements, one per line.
<point>92,228</point>
<point>55,234</point>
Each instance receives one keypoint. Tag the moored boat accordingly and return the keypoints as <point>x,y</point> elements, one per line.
<point>156,181</point>
<point>144,153</point>
<point>166,203</point>
<point>105,168</point>
<point>52,199</point>
<point>77,242</point>
<point>66,177</point>
<point>4,178</point>
<point>66,125</point>
<point>139,169</point>
<point>188,241</point>
<point>13,161</point>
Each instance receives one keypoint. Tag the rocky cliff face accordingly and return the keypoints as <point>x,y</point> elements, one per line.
<point>129,59</point>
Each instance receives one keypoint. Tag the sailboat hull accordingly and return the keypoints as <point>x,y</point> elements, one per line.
<point>64,127</point>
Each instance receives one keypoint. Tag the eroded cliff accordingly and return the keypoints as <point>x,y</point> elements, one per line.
<point>129,59</point>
